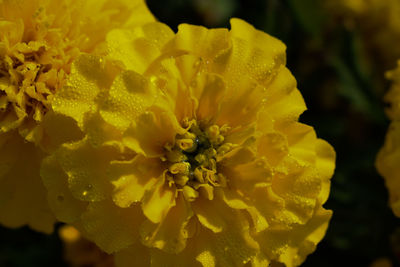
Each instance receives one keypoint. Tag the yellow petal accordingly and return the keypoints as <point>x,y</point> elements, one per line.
<point>137,11</point>
<point>261,56</point>
<point>65,207</point>
<point>210,92</point>
<point>259,222</point>
<point>22,194</point>
<point>291,247</point>
<point>248,66</point>
<point>273,146</point>
<point>158,200</point>
<point>299,188</point>
<point>325,164</point>
<point>151,132</point>
<point>235,201</point>
<point>185,258</point>
<point>89,74</point>
<point>245,177</point>
<point>99,132</point>
<point>135,255</point>
<point>244,102</point>
<point>110,227</point>
<point>173,76</point>
<point>170,234</point>
<point>132,178</point>
<point>232,199</point>
<point>129,96</point>
<point>260,260</point>
<point>301,140</point>
<point>10,147</point>
<point>238,156</point>
<point>283,101</point>
<point>54,135</point>
<point>218,217</point>
<point>232,247</point>
<point>86,168</point>
<point>199,41</point>
<point>139,47</point>
<point>272,207</point>
<point>207,259</point>
<point>241,135</point>
<point>11,120</point>
<point>187,67</point>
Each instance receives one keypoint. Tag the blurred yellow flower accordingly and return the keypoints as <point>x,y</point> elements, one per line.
<point>79,252</point>
<point>193,154</point>
<point>388,158</point>
<point>379,24</point>
<point>381,262</point>
<point>39,40</point>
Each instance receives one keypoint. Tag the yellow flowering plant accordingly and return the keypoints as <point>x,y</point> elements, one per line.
<point>38,42</point>
<point>379,24</point>
<point>387,161</point>
<point>192,152</point>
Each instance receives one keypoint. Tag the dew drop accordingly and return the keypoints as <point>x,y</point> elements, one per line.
<point>153,79</point>
<point>197,63</point>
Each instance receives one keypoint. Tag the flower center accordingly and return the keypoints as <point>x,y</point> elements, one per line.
<point>193,159</point>
<point>23,73</point>
<point>32,67</point>
<point>25,87</point>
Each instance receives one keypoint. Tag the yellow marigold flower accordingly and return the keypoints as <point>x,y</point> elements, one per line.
<point>381,262</point>
<point>79,252</point>
<point>39,40</point>
<point>388,158</point>
<point>379,23</point>
<point>193,154</point>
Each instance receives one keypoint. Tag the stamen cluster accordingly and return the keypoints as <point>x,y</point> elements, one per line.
<point>193,159</point>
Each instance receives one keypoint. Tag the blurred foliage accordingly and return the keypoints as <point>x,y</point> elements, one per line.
<point>25,248</point>
<point>343,89</point>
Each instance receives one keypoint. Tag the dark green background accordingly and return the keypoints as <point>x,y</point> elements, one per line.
<point>343,89</point>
